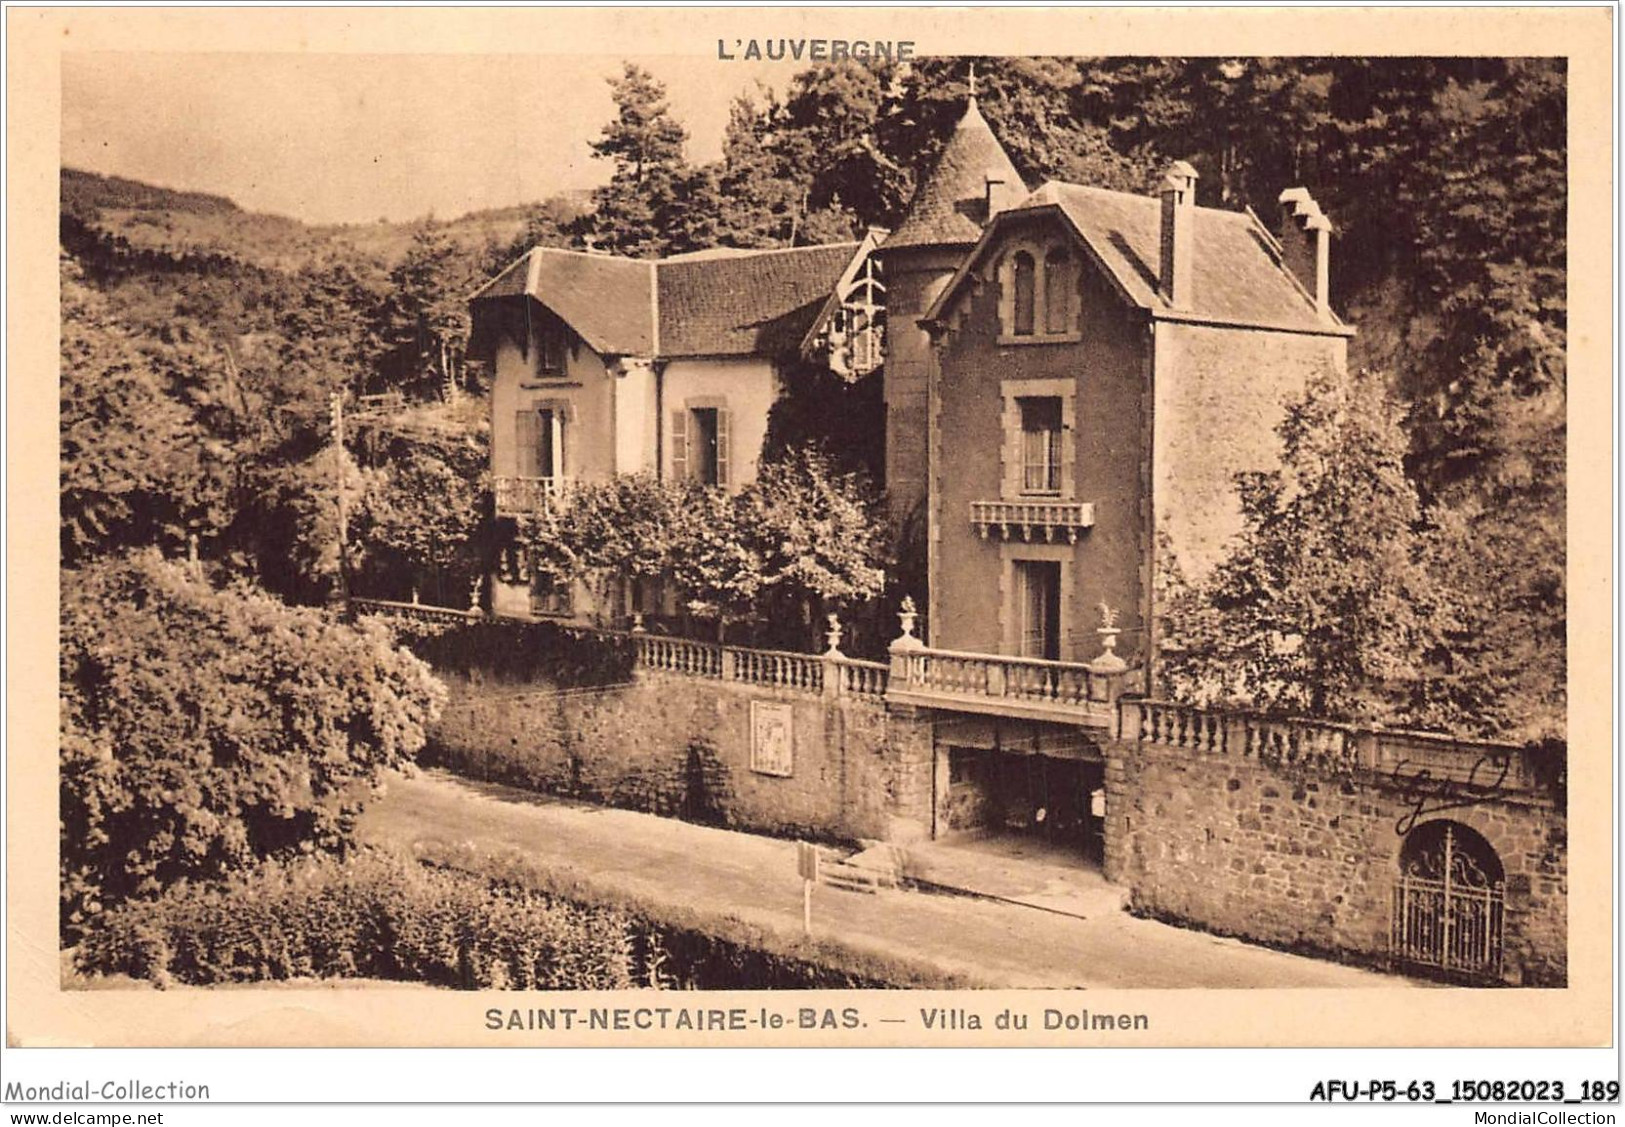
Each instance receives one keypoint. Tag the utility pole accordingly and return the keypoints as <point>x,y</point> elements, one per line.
<point>338,462</point>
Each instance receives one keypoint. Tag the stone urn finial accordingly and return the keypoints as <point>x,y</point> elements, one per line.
<point>833,635</point>
<point>1108,661</point>
<point>637,623</point>
<point>906,614</point>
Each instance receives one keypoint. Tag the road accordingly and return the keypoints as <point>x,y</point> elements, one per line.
<point>696,868</point>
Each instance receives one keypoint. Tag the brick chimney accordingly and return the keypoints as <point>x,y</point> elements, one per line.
<point>1306,245</point>
<point>1174,273</point>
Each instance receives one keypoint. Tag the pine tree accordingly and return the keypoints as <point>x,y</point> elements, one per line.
<point>758,202</point>
<point>655,202</point>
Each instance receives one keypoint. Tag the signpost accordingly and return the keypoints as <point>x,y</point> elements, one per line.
<point>807,866</point>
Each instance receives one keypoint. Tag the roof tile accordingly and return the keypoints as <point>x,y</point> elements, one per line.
<point>950,205</point>
<point>746,303</point>
<point>1237,274</point>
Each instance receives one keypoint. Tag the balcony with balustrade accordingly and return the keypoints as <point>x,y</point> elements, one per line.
<point>1067,692</point>
<point>527,496</point>
<point>1031,519</point>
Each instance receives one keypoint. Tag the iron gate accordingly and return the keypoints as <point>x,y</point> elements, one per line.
<point>1448,912</point>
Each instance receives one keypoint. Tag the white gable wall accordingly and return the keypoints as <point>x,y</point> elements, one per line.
<point>746,386</point>
<point>636,417</point>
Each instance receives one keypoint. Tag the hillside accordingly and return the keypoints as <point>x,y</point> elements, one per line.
<point>180,223</point>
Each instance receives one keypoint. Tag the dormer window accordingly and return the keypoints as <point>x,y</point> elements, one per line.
<point>550,347</point>
<point>857,330</point>
<point>1039,283</point>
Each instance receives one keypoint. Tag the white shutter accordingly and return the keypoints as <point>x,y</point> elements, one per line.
<point>679,445</point>
<point>527,433</point>
<point>723,432</point>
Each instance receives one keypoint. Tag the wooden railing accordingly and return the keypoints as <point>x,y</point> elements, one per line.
<point>1006,686</point>
<point>1415,759</point>
<point>385,402</point>
<point>1032,519</point>
<point>522,496</point>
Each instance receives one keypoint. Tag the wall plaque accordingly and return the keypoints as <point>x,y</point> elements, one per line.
<point>771,727</point>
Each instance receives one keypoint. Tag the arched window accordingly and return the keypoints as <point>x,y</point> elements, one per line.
<point>1058,286</point>
<point>1023,280</point>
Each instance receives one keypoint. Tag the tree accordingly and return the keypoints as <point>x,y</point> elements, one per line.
<point>132,459</point>
<point>623,528</point>
<point>760,206</point>
<point>655,202</point>
<point>816,534</point>
<point>716,565</point>
<point>423,523</point>
<point>1323,608</point>
<point>1498,557</point>
<point>421,327</point>
<point>205,729</point>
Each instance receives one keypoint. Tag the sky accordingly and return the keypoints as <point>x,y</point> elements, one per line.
<point>358,138</point>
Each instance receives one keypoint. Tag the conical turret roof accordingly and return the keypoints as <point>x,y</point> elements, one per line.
<point>950,205</point>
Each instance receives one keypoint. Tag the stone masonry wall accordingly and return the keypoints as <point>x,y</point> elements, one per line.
<point>680,746</point>
<point>1292,856</point>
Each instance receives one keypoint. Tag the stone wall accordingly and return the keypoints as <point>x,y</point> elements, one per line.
<point>681,746</point>
<point>1306,858</point>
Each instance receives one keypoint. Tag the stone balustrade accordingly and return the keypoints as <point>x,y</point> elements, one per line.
<point>832,672</point>
<point>417,612</point>
<point>1417,759</point>
<point>1031,688</point>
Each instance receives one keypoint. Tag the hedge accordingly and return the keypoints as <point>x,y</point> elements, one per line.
<point>373,915</point>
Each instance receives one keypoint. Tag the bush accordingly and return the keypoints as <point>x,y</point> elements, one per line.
<point>371,915</point>
<point>204,730</point>
<point>694,949</point>
<point>526,652</point>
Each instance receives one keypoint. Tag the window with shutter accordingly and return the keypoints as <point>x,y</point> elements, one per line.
<point>702,445</point>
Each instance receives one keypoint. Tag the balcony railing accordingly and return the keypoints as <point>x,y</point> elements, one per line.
<point>1029,688</point>
<point>1032,519</point>
<point>525,496</point>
